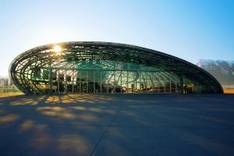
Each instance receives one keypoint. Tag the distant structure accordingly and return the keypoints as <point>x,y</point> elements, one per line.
<point>6,86</point>
<point>5,81</point>
<point>104,67</point>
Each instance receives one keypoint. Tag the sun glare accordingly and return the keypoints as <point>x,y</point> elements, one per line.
<point>57,49</point>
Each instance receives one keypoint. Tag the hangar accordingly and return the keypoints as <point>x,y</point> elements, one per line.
<point>105,67</point>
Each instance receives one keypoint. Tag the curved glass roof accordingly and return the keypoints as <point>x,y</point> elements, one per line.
<point>104,67</point>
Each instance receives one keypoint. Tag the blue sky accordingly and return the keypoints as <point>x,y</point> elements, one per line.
<point>188,29</point>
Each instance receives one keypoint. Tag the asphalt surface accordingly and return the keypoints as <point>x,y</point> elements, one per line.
<point>124,124</point>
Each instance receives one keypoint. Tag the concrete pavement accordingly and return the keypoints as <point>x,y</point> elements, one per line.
<point>122,124</point>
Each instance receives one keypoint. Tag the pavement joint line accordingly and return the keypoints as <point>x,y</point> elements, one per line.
<point>109,125</point>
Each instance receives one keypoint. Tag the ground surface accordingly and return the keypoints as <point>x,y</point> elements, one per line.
<point>228,90</point>
<point>117,125</point>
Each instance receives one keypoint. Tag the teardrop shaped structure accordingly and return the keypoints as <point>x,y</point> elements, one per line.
<point>104,67</point>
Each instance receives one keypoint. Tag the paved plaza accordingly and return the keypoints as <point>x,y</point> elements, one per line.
<point>122,124</point>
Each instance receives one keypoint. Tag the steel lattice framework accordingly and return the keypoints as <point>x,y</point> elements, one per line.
<point>104,67</point>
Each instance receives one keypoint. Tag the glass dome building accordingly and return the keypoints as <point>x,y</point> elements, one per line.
<point>104,67</point>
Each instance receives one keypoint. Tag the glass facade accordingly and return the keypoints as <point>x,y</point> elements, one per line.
<point>103,67</point>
